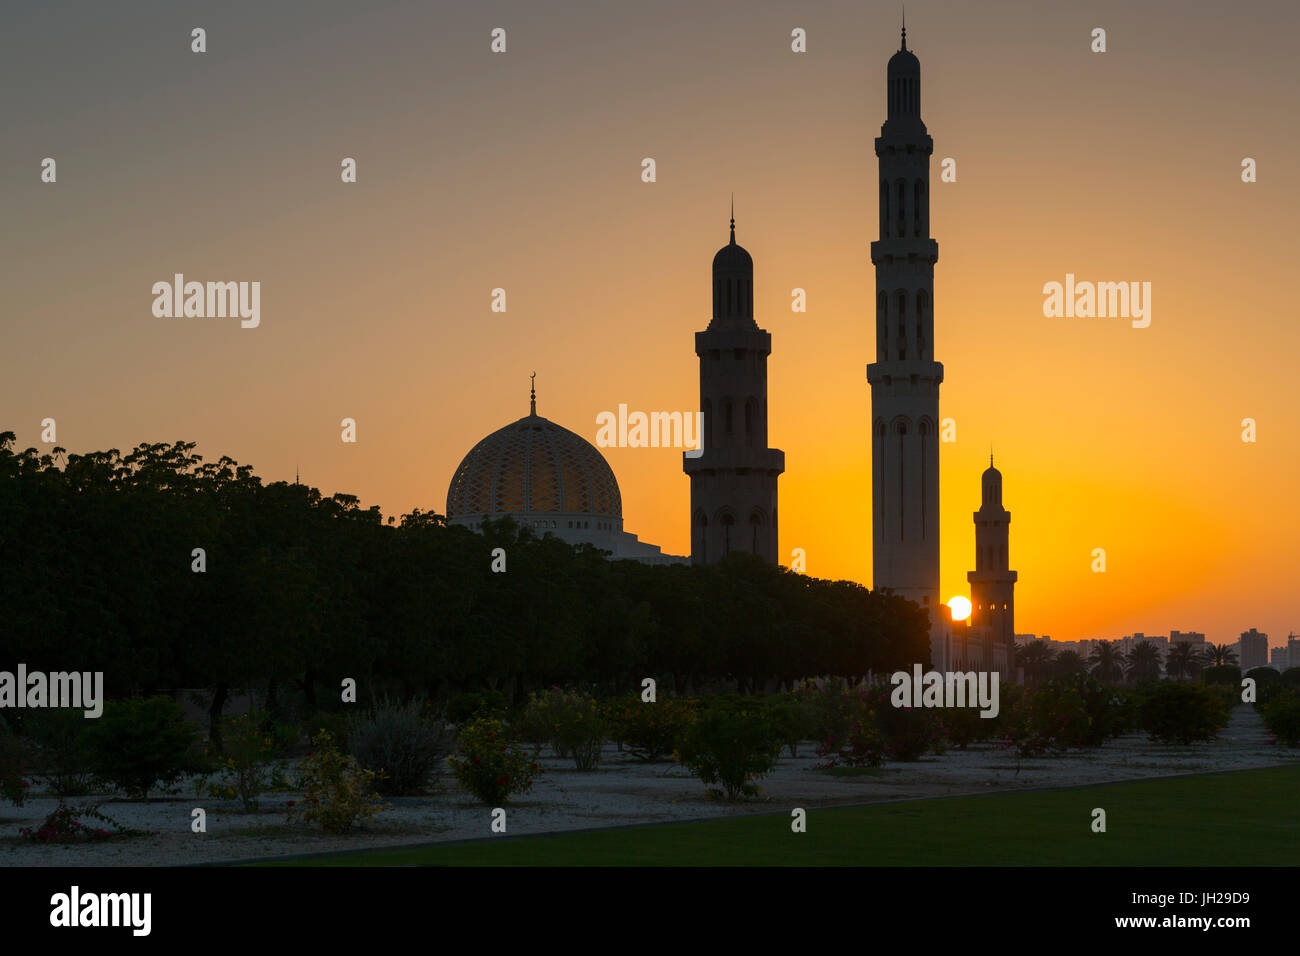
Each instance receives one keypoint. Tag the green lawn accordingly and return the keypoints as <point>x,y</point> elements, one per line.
<point>1243,818</point>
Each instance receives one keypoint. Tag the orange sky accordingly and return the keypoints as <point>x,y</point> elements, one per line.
<point>522,171</point>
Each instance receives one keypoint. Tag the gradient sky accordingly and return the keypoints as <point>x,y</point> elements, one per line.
<point>522,171</point>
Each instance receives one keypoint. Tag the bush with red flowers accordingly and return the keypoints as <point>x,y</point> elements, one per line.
<point>490,764</point>
<point>64,825</point>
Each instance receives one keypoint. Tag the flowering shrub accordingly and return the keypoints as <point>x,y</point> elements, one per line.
<point>732,742</point>
<point>64,826</point>
<point>908,732</point>
<point>1052,719</point>
<point>1174,712</point>
<point>796,715</point>
<point>489,764</point>
<point>337,792</point>
<point>252,759</point>
<point>649,730</point>
<point>574,723</point>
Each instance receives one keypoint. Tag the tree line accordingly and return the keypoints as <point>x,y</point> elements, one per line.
<point>300,590</point>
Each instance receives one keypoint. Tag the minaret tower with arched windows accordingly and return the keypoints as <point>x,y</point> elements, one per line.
<point>733,477</point>
<point>905,377</point>
<point>992,585</point>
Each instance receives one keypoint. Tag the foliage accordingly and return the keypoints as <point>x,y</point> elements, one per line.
<point>404,747</point>
<point>1291,677</point>
<point>337,792</point>
<point>488,703</point>
<point>1180,713</point>
<point>649,730</point>
<point>64,825</point>
<point>732,743</point>
<point>311,585</point>
<point>908,732</point>
<point>1184,660</point>
<point>1282,717</point>
<point>1222,674</point>
<point>141,742</point>
<point>13,783</point>
<point>251,762</point>
<point>489,764</point>
<point>1050,720</point>
<point>572,721</point>
<point>1106,662</point>
<point>59,736</point>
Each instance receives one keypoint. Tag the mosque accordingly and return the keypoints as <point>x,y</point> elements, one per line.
<point>545,476</point>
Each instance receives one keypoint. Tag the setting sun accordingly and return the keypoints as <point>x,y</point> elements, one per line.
<point>960,607</point>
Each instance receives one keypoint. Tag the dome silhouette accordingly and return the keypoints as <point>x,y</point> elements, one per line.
<point>533,467</point>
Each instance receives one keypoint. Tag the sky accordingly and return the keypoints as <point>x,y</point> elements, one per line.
<point>522,170</point>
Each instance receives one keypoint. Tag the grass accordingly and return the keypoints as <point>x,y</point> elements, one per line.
<point>1244,818</point>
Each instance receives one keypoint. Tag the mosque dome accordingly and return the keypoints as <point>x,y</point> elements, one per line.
<point>534,468</point>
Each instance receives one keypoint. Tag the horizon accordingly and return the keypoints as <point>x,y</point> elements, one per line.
<point>522,171</point>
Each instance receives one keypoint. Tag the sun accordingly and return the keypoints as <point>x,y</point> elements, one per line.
<point>960,608</point>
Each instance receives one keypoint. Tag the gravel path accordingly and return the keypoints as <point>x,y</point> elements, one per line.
<point>622,791</point>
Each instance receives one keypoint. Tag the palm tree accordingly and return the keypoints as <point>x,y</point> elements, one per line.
<point>1107,663</point>
<point>1035,657</point>
<point>1184,660</point>
<point>1069,662</point>
<point>1142,662</point>
<point>1221,654</point>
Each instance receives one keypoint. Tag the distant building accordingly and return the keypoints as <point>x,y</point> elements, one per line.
<point>1252,650</point>
<point>1278,658</point>
<point>1186,637</point>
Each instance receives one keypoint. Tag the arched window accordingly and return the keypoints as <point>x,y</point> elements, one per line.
<point>902,325</point>
<point>755,521</point>
<point>749,421</point>
<point>899,214</point>
<point>902,480</point>
<point>922,429</point>
<point>882,325</point>
<point>726,415</point>
<point>727,522</point>
<point>922,311</point>
<point>918,207</point>
<point>884,209</point>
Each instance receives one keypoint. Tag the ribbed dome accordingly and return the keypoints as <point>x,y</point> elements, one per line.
<point>733,258</point>
<point>533,466</point>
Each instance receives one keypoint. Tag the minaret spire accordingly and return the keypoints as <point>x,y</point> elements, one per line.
<point>532,397</point>
<point>903,6</point>
<point>733,219</point>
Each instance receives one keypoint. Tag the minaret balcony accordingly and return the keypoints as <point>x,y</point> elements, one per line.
<point>887,251</point>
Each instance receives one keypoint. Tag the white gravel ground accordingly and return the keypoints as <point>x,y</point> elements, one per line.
<point>622,791</point>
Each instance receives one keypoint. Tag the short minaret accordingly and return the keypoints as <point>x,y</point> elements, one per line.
<point>992,592</point>
<point>905,377</point>
<point>733,478</point>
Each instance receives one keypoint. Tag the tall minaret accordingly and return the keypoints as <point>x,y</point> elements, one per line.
<point>733,479</point>
<point>992,592</point>
<point>905,377</point>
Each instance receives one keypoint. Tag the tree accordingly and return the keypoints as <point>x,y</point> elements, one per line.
<point>1183,661</point>
<point>1142,663</point>
<point>1036,658</point>
<point>1068,663</point>
<point>1106,662</point>
<point>1220,654</point>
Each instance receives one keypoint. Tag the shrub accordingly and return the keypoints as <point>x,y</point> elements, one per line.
<point>1291,677</point>
<point>797,717</point>
<point>13,784</point>
<point>831,708</point>
<point>1175,712</point>
<point>861,746</point>
<point>337,723</point>
<point>251,762</point>
<point>486,703</point>
<point>731,742</point>
<point>573,721</point>
<point>489,764</point>
<point>908,732</point>
<point>141,742</point>
<point>1282,717</point>
<point>1222,674</point>
<point>59,736</point>
<point>964,726</point>
<point>337,792</point>
<point>64,825</point>
<point>401,745</point>
<point>1110,711</point>
<point>649,730</point>
<point>1052,719</point>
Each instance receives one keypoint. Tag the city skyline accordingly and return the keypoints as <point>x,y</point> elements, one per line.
<point>376,295</point>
